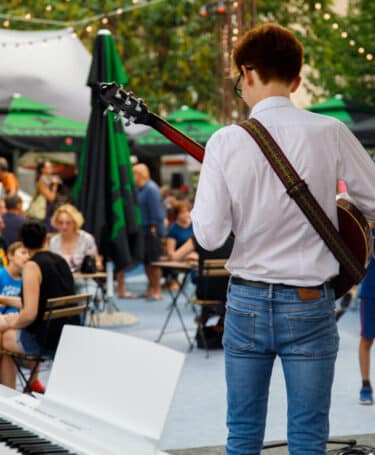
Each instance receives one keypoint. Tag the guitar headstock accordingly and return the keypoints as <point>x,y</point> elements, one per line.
<point>123,103</point>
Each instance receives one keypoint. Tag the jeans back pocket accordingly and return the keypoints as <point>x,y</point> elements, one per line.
<point>239,330</point>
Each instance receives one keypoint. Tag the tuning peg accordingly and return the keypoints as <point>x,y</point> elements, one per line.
<point>118,94</point>
<point>138,107</point>
<point>109,108</point>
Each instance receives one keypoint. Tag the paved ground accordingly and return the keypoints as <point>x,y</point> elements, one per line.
<point>360,440</point>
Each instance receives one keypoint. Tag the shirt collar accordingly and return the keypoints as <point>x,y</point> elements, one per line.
<point>271,103</point>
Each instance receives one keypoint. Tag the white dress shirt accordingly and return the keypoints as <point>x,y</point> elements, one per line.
<point>239,191</point>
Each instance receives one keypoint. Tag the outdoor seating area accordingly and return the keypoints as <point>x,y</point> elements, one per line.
<point>187,227</point>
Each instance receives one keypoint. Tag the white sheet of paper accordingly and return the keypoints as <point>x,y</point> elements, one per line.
<point>126,381</point>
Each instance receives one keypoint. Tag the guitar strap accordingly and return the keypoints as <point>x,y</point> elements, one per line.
<point>298,190</point>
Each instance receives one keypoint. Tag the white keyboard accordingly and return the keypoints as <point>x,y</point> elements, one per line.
<point>34,427</point>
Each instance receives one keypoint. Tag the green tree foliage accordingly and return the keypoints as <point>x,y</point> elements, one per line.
<point>171,53</point>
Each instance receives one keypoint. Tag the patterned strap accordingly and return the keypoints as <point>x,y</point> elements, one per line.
<point>299,191</point>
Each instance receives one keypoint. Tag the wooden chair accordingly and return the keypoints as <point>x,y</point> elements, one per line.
<point>56,308</point>
<point>212,281</point>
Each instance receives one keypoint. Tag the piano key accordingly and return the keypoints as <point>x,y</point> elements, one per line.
<point>46,449</point>
<point>26,442</point>
<point>5,435</point>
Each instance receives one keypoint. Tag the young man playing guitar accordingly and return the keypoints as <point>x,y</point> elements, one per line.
<point>280,302</point>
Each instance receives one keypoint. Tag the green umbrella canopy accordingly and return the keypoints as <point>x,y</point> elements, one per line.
<point>195,124</point>
<point>27,124</point>
<point>343,109</point>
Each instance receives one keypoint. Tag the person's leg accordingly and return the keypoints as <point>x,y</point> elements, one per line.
<point>248,365</point>
<point>309,384</point>
<point>121,289</point>
<point>155,282</point>
<point>248,382</point>
<point>365,345</point>
<point>148,272</point>
<point>308,349</point>
<point>8,370</point>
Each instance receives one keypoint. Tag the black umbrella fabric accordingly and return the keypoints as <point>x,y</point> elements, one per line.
<point>365,132</point>
<point>105,191</point>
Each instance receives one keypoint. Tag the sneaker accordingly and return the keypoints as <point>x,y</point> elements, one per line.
<point>37,387</point>
<point>365,395</point>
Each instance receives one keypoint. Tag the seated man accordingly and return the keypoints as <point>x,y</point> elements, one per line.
<point>45,275</point>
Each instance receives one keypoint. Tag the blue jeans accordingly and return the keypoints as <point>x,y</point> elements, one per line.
<point>260,324</point>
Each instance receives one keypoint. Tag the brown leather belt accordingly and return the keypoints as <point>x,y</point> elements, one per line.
<point>306,293</point>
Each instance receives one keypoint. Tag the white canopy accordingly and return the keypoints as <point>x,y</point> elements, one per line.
<point>48,66</point>
<point>51,67</point>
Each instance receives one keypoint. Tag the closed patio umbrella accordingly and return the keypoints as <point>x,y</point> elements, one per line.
<point>104,190</point>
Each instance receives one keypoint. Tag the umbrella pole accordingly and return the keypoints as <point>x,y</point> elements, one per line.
<point>111,306</point>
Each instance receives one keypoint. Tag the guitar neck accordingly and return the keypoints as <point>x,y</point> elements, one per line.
<point>190,146</point>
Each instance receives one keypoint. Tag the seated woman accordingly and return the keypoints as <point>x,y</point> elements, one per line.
<point>45,275</point>
<point>71,242</point>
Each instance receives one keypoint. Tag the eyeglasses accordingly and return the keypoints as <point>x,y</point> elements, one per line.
<point>236,90</point>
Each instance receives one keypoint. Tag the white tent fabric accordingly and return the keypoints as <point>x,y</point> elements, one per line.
<point>48,66</point>
<point>51,67</point>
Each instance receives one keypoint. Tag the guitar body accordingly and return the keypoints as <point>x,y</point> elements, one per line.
<point>356,232</point>
<point>353,226</point>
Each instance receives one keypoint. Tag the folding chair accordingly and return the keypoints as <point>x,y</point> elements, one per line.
<point>212,282</point>
<point>56,308</point>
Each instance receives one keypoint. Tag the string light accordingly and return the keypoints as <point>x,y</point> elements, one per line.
<point>83,22</point>
<point>344,34</point>
<point>105,20</point>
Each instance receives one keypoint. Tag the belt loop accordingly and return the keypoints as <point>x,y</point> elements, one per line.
<point>325,287</point>
<point>270,291</point>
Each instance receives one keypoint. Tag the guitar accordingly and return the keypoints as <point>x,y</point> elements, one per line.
<point>353,226</point>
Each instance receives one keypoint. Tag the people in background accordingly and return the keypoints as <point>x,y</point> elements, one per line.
<point>11,279</point>
<point>10,292</point>
<point>178,233</point>
<point>47,184</point>
<point>3,208</point>
<point>71,242</point>
<point>181,230</point>
<point>153,215</point>
<point>367,295</point>
<point>3,245</point>
<point>45,275</point>
<point>8,180</point>
<point>13,218</point>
